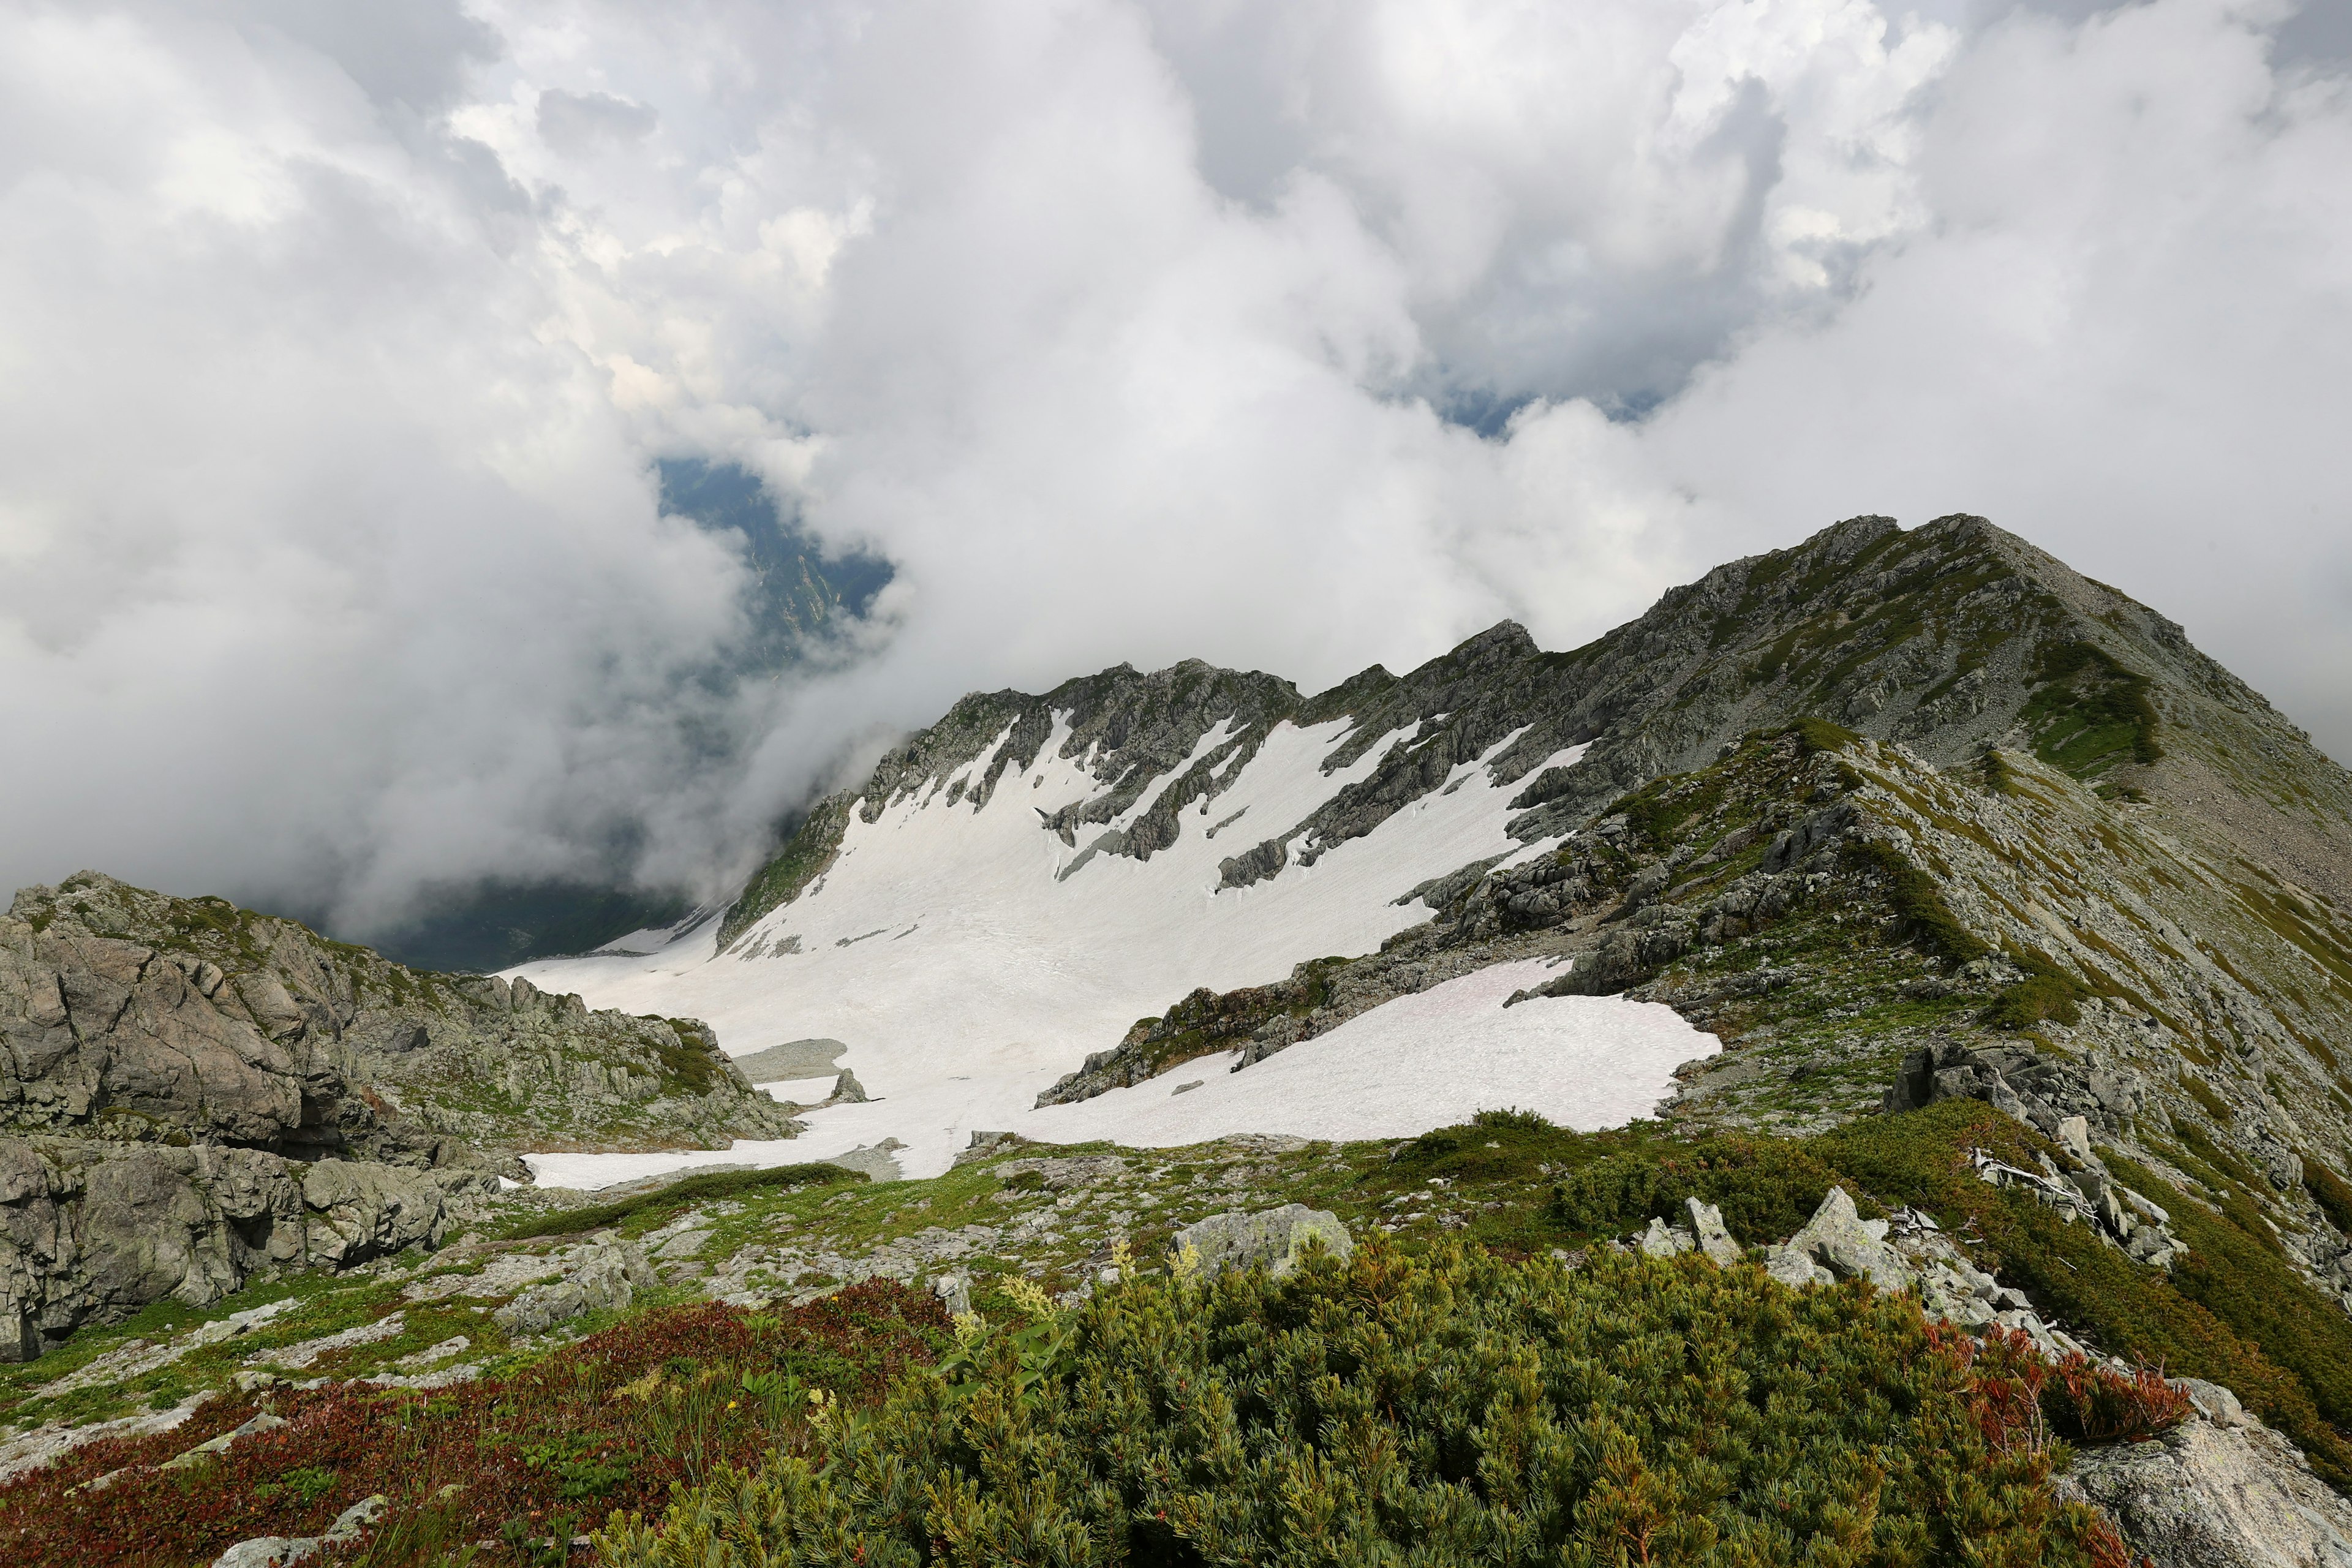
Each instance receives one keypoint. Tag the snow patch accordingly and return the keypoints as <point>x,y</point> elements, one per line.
<point>1428,1060</point>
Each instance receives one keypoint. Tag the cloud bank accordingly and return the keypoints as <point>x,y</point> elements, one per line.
<point>338,346</point>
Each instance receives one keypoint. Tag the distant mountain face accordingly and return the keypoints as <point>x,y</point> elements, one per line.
<point>497,924</point>
<point>798,593</point>
<point>1014,885</point>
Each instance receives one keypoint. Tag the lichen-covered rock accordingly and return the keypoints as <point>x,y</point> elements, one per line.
<point>606,1277</point>
<point>1793,1268</point>
<point>92,1231</point>
<point>132,1017</point>
<point>2210,1496</point>
<point>1274,1240</point>
<point>204,1091</point>
<point>1850,1246</point>
<point>1714,1237</point>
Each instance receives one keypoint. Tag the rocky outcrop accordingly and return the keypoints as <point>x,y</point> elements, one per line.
<point>92,1232</point>
<point>132,1017</point>
<point>2216,1493</point>
<point>199,1092</point>
<point>1274,1239</point>
<point>606,1278</point>
<point>283,1552</point>
<point>2037,1088</point>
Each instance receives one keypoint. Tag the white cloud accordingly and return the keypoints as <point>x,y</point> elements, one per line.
<point>332,358</point>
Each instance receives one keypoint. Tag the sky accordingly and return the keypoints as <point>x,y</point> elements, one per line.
<point>339,345</point>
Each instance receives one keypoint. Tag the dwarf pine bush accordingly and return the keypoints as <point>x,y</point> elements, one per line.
<point>1456,1409</point>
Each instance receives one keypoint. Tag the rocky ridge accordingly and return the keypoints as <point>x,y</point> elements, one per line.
<point>1951,638</point>
<point>1867,931</point>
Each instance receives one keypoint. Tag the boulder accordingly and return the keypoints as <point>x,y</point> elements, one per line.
<point>1794,1269</point>
<point>281,1551</point>
<point>1837,1237</point>
<point>1663,1241</point>
<point>1713,1236</point>
<point>2210,1496</point>
<point>605,1276</point>
<point>1273,1239</point>
<point>361,1211</point>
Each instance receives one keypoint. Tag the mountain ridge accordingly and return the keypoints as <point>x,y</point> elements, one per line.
<point>1966,636</point>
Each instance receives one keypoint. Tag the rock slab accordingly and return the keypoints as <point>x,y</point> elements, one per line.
<point>1273,1239</point>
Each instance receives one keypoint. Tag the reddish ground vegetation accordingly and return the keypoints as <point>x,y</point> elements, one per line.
<point>526,1461</point>
<point>2021,1397</point>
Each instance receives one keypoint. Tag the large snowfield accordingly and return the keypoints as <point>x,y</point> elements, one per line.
<point>968,959</point>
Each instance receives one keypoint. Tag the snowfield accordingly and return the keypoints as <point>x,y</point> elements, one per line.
<point>1417,1062</point>
<point>969,958</point>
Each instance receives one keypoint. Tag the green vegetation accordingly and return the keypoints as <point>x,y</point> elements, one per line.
<point>2089,713</point>
<point>1456,1407</point>
<point>2047,994</point>
<point>1926,918</point>
<point>801,861</point>
<point>681,1195</point>
<point>1821,735</point>
<point>2330,1192</point>
<point>2236,1312</point>
<point>528,1455</point>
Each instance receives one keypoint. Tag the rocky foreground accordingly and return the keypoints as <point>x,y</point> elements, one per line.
<point>251,1400</point>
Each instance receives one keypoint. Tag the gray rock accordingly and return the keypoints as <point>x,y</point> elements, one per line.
<point>873,1161</point>
<point>2205,1496</point>
<point>1793,1268</point>
<point>279,1551</point>
<point>201,1092</point>
<point>352,1523</point>
<point>92,1231</point>
<point>1713,1236</point>
<point>847,1090</point>
<point>685,1243</point>
<point>606,1277</point>
<point>2075,1137</point>
<point>268,1551</point>
<point>264,1422</point>
<point>2219,1405</point>
<point>1662,1241</point>
<point>793,1059</point>
<point>1273,1239</point>
<point>1836,1236</point>
<point>954,1291</point>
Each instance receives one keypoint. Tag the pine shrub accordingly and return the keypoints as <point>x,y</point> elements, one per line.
<point>1453,1409</point>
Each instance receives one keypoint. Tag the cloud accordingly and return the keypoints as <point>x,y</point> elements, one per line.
<point>577,124</point>
<point>334,364</point>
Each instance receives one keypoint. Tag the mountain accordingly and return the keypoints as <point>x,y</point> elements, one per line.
<point>1904,894</point>
<point>1029,875</point>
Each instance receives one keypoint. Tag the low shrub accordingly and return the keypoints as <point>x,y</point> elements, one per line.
<point>2330,1192</point>
<point>1455,1408</point>
<point>667,1396</point>
<point>1919,907</point>
<point>2047,995</point>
